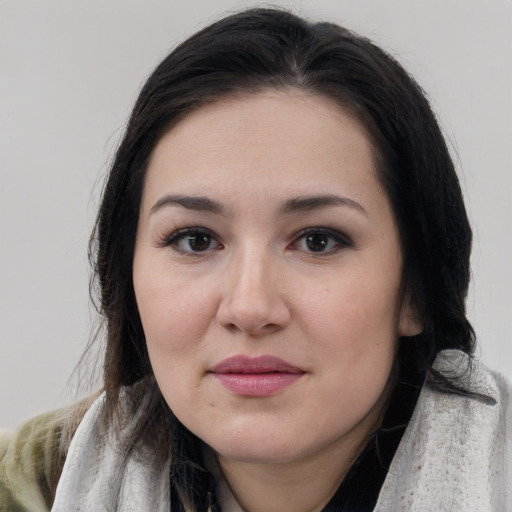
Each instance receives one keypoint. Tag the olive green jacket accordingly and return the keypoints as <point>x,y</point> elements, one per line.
<point>30,464</point>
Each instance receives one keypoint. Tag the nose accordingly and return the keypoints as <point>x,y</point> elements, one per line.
<point>254,298</point>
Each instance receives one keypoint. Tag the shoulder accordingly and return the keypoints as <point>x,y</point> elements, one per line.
<point>456,452</point>
<point>482,407</point>
<point>31,460</point>
<point>473,377</point>
<point>473,424</point>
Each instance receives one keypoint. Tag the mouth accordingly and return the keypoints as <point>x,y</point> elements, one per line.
<point>256,377</point>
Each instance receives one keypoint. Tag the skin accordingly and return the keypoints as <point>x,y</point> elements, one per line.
<point>257,288</point>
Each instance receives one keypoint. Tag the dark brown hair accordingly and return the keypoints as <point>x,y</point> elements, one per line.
<point>247,52</point>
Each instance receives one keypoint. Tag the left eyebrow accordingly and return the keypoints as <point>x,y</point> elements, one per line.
<point>307,203</point>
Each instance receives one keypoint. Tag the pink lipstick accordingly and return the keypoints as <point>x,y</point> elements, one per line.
<point>258,377</point>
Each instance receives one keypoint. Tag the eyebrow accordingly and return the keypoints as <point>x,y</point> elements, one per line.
<point>198,203</point>
<point>297,204</point>
<point>308,203</point>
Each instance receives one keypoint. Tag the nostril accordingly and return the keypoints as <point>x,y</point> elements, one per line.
<point>253,332</point>
<point>233,328</point>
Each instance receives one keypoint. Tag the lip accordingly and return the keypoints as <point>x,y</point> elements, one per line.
<point>258,377</point>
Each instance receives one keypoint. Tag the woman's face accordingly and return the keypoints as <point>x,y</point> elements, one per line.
<point>267,273</point>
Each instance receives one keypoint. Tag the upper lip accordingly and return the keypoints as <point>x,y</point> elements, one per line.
<point>262,364</point>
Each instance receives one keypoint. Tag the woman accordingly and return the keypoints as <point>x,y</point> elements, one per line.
<point>282,257</point>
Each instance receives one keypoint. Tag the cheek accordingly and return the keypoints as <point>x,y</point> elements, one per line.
<point>174,314</point>
<point>357,349</point>
<point>162,294</point>
<point>354,323</point>
<point>174,319</point>
<point>355,309</point>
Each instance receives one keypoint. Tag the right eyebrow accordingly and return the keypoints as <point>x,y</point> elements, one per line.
<point>198,203</point>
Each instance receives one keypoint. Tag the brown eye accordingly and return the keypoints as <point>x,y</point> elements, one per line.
<point>198,243</point>
<point>317,242</point>
<point>192,241</point>
<point>321,240</point>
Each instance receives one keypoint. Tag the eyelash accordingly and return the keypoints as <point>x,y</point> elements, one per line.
<point>181,235</point>
<point>341,241</point>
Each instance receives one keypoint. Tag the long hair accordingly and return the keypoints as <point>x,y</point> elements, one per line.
<point>273,49</point>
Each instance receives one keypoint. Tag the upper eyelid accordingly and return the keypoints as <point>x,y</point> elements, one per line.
<point>190,230</point>
<point>338,235</point>
<point>177,234</point>
<point>173,241</point>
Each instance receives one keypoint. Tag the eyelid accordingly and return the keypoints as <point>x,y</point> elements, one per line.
<point>342,240</point>
<point>179,234</point>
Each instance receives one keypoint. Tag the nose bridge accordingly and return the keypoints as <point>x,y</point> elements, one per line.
<point>252,278</point>
<point>252,299</point>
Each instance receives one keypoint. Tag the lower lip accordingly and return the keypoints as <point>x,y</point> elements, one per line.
<point>257,384</point>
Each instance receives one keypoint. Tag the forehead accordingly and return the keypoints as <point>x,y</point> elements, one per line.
<point>266,142</point>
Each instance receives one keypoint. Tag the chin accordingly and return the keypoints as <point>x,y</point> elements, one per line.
<point>268,448</point>
<point>256,455</point>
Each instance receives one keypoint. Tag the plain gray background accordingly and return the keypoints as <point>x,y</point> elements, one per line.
<point>69,73</point>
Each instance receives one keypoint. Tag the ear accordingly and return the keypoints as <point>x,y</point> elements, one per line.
<point>409,321</point>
